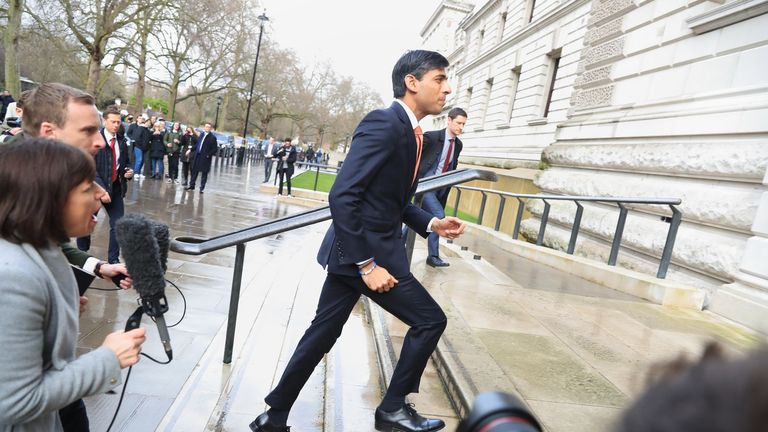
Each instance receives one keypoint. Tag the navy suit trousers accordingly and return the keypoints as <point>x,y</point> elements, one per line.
<point>409,301</point>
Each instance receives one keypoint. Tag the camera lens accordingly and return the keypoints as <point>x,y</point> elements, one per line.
<point>499,412</point>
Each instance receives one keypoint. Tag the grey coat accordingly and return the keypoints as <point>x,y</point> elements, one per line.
<point>39,371</point>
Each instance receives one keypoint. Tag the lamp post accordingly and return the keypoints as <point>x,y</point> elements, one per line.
<point>262,20</point>
<point>218,105</point>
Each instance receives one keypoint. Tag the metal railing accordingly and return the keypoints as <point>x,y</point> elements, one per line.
<point>666,255</point>
<point>198,246</point>
<point>317,167</point>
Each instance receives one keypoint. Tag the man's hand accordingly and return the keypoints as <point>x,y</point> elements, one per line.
<point>126,345</point>
<point>379,279</point>
<point>448,227</point>
<point>83,304</point>
<point>128,173</point>
<point>106,199</point>
<point>112,270</point>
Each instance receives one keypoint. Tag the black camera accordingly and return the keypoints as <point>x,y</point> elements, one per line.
<point>499,412</point>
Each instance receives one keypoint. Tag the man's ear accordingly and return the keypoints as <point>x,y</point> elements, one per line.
<point>411,83</point>
<point>47,130</point>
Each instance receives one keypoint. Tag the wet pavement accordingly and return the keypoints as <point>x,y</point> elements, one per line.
<point>575,351</point>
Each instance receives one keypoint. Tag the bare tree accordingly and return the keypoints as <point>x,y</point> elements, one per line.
<point>11,45</point>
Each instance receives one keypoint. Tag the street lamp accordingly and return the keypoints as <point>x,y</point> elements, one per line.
<point>262,20</point>
<point>218,104</point>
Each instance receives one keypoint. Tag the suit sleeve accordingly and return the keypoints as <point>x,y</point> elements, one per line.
<point>100,162</point>
<point>417,219</point>
<point>75,256</point>
<point>372,145</point>
<point>292,156</point>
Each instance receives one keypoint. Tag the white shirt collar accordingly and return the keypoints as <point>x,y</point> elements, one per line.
<point>411,115</point>
<point>108,135</point>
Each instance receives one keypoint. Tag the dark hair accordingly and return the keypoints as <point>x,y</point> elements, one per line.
<point>713,395</point>
<point>111,110</point>
<point>32,199</point>
<point>455,112</point>
<point>49,103</point>
<point>22,99</point>
<point>416,63</point>
<point>208,123</point>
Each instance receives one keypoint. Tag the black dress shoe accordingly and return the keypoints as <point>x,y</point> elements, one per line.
<point>190,188</point>
<point>434,261</point>
<point>262,424</point>
<point>406,419</point>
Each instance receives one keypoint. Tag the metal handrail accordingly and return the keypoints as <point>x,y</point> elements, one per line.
<point>666,255</point>
<point>197,246</point>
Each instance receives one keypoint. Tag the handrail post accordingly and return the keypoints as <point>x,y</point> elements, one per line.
<point>575,229</point>
<point>456,204</point>
<point>410,240</point>
<point>519,218</point>
<point>317,174</point>
<point>666,256</point>
<point>617,236</point>
<point>502,201</point>
<point>482,208</point>
<point>234,301</point>
<point>543,226</point>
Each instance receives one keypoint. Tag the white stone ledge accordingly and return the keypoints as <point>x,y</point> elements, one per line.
<point>728,160</point>
<point>727,14</point>
<point>715,203</point>
<point>704,251</point>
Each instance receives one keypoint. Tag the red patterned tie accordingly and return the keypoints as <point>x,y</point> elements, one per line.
<point>448,155</point>
<point>114,160</point>
<point>419,140</point>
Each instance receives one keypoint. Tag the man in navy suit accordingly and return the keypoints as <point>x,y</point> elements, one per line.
<point>113,169</point>
<point>441,154</point>
<point>364,253</point>
<point>201,156</point>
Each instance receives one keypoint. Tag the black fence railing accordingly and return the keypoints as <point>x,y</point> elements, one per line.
<point>673,220</point>
<point>198,246</point>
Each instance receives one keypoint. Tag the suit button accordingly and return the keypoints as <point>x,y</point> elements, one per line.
<point>113,381</point>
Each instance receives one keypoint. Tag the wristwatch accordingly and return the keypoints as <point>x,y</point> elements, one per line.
<point>97,269</point>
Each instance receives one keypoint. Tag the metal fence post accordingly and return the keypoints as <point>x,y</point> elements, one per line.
<point>502,201</point>
<point>575,229</point>
<point>482,209</point>
<point>456,204</point>
<point>519,218</point>
<point>666,256</point>
<point>617,236</point>
<point>234,300</point>
<point>317,174</point>
<point>543,226</point>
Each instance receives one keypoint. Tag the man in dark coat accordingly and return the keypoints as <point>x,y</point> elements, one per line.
<point>201,156</point>
<point>441,154</point>
<point>113,170</point>
<point>286,157</point>
<point>364,253</point>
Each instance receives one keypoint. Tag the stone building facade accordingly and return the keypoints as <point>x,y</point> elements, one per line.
<point>650,98</point>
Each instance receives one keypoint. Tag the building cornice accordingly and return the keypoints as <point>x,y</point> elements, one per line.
<point>445,4</point>
<point>480,13</point>
<point>527,31</point>
<point>729,13</point>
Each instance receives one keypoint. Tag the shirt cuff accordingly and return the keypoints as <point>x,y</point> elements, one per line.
<point>363,263</point>
<point>429,225</point>
<point>90,265</point>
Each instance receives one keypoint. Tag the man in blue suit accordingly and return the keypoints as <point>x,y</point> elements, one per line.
<point>364,253</point>
<point>441,154</point>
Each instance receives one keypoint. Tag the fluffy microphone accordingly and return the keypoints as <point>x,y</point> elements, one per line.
<point>145,248</point>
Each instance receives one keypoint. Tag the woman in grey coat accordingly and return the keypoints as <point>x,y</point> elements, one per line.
<point>39,371</point>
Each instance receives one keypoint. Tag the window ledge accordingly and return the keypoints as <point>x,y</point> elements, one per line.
<point>503,126</point>
<point>727,14</point>
<point>538,121</point>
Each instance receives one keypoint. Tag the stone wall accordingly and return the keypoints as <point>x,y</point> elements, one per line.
<point>663,108</point>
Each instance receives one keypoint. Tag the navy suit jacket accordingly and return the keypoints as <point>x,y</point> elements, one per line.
<point>104,164</point>
<point>370,199</point>
<point>433,148</point>
<point>202,161</point>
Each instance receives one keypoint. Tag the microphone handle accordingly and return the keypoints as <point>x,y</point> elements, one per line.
<point>165,338</point>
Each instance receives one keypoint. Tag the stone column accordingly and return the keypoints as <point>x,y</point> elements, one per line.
<point>746,300</point>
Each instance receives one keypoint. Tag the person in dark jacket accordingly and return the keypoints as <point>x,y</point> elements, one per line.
<point>141,146</point>
<point>157,150</point>
<point>172,142</point>
<point>188,142</point>
<point>286,157</point>
<point>202,156</point>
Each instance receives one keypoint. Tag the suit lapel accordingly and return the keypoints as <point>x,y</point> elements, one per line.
<point>409,145</point>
